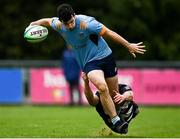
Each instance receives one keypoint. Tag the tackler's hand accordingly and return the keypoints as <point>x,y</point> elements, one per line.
<point>118,98</point>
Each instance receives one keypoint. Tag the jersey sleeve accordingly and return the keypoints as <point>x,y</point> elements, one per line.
<point>55,23</point>
<point>96,27</point>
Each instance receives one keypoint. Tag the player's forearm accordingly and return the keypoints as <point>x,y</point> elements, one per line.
<point>89,94</point>
<point>117,38</point>
<point>44,22</point>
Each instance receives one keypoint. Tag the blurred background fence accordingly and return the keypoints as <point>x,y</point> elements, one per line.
<point>43,82</point>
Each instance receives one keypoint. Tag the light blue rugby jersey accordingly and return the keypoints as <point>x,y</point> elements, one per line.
<point>85,50</point>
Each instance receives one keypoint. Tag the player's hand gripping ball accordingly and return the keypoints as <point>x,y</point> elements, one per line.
<point>35,33</point>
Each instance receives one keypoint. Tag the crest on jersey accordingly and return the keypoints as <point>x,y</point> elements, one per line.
<point>81,34</point>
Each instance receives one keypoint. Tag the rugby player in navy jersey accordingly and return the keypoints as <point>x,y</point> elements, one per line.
<point>126,108</point>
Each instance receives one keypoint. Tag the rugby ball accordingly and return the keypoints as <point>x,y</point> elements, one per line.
<point>35,33</point>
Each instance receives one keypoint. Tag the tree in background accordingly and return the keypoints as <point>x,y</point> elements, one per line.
<point>156,22</point>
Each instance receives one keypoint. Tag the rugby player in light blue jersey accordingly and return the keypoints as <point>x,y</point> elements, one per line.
<point>86,37</point>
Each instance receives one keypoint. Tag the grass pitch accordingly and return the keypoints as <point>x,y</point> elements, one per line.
<point>58,122</point>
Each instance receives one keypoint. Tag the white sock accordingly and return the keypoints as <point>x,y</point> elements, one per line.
<point>115,119</point>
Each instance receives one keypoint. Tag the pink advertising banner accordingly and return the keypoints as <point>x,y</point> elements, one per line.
<point>153,86</point>
<point>48,86</point>
<point>150,86</point>
<point>161,87</point>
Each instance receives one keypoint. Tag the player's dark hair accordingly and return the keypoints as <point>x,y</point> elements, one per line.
<point>65,12</point>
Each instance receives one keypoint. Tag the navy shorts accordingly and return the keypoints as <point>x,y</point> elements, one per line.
<point>107,65</point>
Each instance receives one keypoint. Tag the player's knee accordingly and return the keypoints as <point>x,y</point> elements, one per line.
<point>103,88</point>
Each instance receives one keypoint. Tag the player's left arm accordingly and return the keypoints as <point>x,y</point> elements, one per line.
<point>132,47</point>
<point>126,96</point>
<point>91,97</point>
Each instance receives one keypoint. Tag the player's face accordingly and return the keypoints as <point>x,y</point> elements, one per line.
<point>70,24</point>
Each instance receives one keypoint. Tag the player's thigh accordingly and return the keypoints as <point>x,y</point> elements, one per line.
<point>97,78</point>
<point>112,84</point>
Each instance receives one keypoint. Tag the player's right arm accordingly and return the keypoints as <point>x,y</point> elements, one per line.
<point>48,22</point>
<point>92,99</point>
<point>43,22</point>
